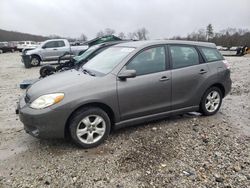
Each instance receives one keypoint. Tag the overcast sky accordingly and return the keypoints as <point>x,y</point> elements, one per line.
<point>162,18</point>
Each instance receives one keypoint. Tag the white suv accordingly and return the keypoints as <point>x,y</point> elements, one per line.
<point>27,45</point>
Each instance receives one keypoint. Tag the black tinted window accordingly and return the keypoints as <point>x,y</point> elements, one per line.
<point>149,61</point>
<point>51,44</point>
<point>211,54</point>
<point>183,56</point>
<point>60,44</point>
<point>55,44</point>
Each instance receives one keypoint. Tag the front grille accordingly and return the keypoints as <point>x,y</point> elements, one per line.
<point>27,98</point>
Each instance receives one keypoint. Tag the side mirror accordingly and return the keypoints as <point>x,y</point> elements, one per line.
<point>127,74</point>
<point>44,46</point>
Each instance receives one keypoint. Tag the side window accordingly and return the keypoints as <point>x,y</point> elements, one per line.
<point>149,61</point>
<point>51,44</point>
<point>211,54</point>
<point>60,43</point>
<point>183,56</point>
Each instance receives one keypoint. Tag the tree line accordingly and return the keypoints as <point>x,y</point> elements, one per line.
<point>18,36</point>
<point>228,37</point>
<point>139,34</point>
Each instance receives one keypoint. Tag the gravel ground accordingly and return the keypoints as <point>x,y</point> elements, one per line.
<point>181,151</point>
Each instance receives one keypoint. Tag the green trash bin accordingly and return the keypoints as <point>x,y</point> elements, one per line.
<point>26,59</point>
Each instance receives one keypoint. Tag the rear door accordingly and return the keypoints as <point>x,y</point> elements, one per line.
<point>150,91</point>
<point>189,74</point>
<point>61,48</point>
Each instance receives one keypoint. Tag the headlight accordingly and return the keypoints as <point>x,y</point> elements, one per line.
<point>47,100</point>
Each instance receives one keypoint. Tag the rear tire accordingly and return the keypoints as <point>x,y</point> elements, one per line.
<point>211,101</point>
<point>89,127</point>
<point>47,70</point>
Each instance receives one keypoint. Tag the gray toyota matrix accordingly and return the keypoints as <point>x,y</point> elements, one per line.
<point>126,84</point>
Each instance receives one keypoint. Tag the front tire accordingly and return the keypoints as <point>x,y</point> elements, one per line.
<point>89,127</point>
<point>211,101</point>
<point>35,61</point>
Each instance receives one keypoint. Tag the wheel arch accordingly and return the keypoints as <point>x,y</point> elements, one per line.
<point>36,55</point>
<point>100,105</point>
<point>220,86</point>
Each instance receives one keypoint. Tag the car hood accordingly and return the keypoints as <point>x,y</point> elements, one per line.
<point>30,52</point>
<point>60,82</point>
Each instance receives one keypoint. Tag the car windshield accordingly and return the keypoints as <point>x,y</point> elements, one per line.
<point>107,60</point>
<point>85,54</point>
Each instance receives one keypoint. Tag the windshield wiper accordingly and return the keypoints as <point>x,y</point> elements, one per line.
<point>88,72</point>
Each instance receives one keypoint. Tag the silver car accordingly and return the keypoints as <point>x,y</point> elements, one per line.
<point>126,84</point>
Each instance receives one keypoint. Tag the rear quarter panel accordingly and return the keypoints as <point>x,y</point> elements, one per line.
<point>216,76</point>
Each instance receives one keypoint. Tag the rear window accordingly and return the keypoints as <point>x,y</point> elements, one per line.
<point>211,54</point>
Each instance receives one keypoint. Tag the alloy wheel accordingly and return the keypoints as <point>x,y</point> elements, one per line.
<point>34,62</point>
<point>212,101</point>
<point>91,129</point>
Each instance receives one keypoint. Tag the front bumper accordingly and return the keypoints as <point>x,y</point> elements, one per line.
<point>44,123</point>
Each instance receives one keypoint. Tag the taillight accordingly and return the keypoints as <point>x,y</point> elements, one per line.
<point>226,64</point>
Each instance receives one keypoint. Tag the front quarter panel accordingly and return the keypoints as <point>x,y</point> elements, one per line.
<point>102,91</point>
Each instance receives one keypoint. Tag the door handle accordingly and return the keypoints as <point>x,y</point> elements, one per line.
<point>54,49</point>
<point>164,78</point>
<point>202,71</point>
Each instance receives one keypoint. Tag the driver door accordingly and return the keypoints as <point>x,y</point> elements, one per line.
<point>150,91</point>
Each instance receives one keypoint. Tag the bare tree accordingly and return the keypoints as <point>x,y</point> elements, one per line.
<point>100,34</point>
<point>109,31</point>
<point>131,36</point>
<point>83,37</point>
<point>121,35</point>
<point>176,38</point>
<point>141,34</point>
<point>200,35</point>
